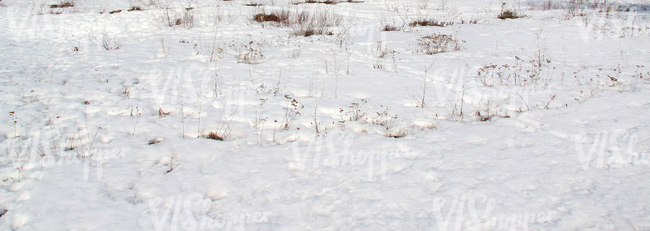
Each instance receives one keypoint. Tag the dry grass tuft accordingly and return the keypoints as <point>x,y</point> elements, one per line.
<point>505,14</point>
<point>430,22</point>
<point>135,8</point>
<point>65,4</point>
<point>390,28</point>
<point>215,136</point>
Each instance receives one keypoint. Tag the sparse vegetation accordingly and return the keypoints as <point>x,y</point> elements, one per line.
<point>292,110</point>
<point>430,22</point>
<point>110,43</point>
<point>355,111</point>
<point>387,121</point>
<point>37,8</point>
<point>302,22</point>
<point>60,7</point>
<point>387,27</point>
<point>64,4</point>
<point>542,4</point>
<point>438,43</point>
<point>469,21</point>
<point>135,8</point>
<point>328,2</point>
<point>382,52</point>
<point>211,50</point>
<point>171,17</point>
<point>488,93</point>
<point>350,145</point>
<point>248,52</point>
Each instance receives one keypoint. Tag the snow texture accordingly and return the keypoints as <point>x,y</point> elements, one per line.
<point>193,115</point>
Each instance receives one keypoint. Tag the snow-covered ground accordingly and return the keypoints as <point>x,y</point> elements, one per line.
<point>533,123</point>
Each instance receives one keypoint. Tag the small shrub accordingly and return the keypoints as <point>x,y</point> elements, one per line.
<point>384,119</point>
<point>438,43</point>
<point>273,17</point>
<point>115,12</point>
<point>249,52</point>
<point>162,113</point>
<point>291,113</point>
<point>214,136</point>
<point>110,43</point>
<point>390,28</point>
<point>487,73</point>
<point>483,117</point>
<point>509,14</point>
<point>356,111</point>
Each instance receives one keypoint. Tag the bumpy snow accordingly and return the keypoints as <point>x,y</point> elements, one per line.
<point>127,121</point>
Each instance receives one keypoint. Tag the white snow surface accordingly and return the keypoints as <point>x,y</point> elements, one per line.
<point>106,117</point>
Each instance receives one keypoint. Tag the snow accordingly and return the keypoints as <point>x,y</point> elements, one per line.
<point>351,131</point>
